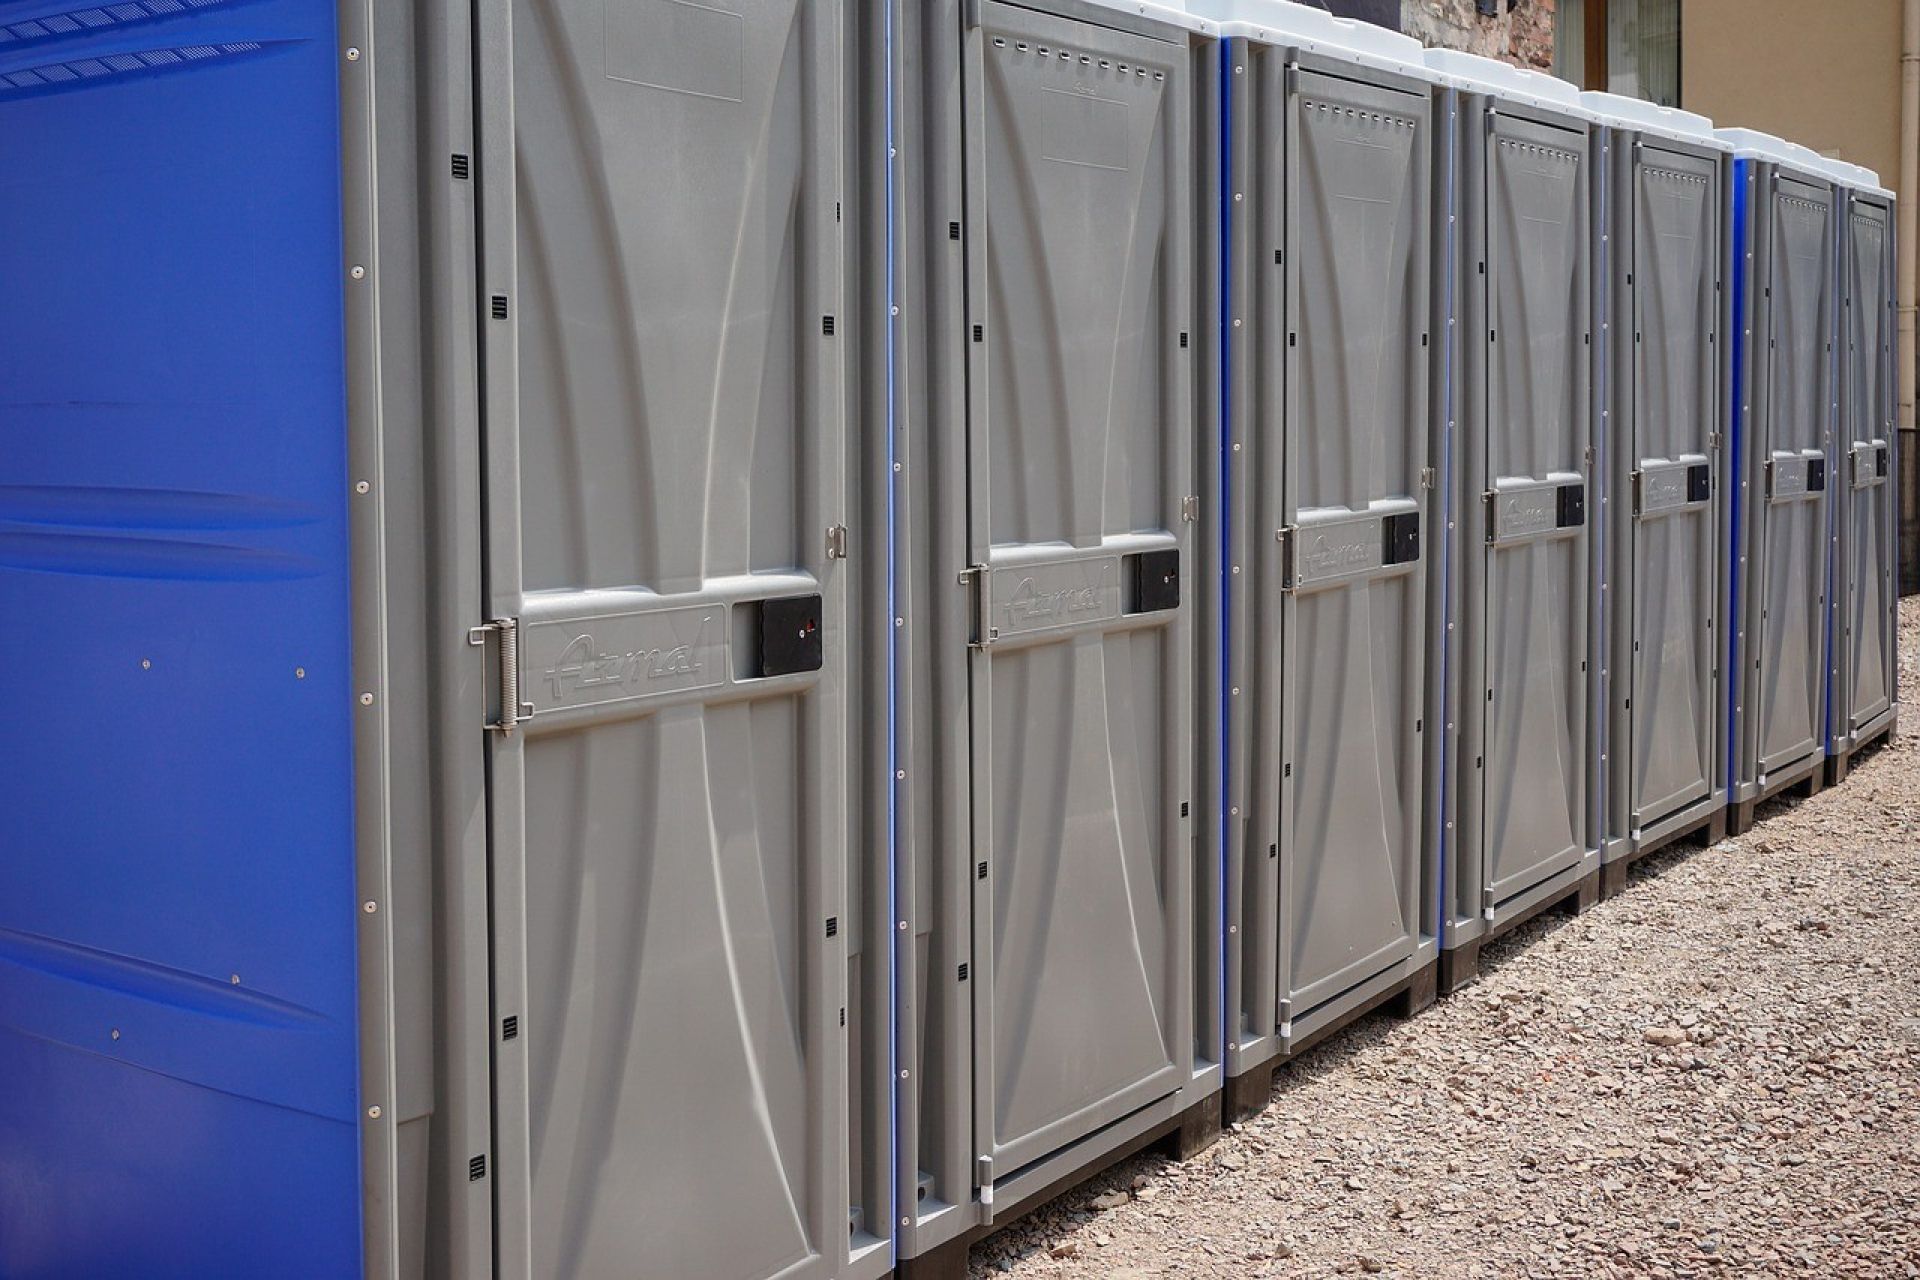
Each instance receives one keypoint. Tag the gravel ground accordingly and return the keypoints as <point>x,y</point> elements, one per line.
<point>1713,1074</point>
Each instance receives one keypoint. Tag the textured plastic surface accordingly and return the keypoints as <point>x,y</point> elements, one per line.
<point>666,450</point>
<point>1328,284</point>
<point>1666,208</point>
<point>1080,946</point>
<point>178,1057</point>
<point>1863,638</point>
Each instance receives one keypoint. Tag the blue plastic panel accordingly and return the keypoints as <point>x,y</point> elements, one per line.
<point>178,1059</point>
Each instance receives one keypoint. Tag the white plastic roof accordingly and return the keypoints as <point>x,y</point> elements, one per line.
<point>1751,144</point>
<point>1638,114</point>
<point>1314,30</point>
<point>1856,177</point>
<point>1491,76</point>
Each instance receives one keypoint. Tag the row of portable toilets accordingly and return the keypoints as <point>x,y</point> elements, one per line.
<point>893,603</point>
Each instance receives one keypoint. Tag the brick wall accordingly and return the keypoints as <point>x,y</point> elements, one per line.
<point>1523,36</point>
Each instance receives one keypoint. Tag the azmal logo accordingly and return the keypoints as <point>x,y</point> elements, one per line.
<point>582,666</point>
<point>1322,557</point>
<point>1029,606</point>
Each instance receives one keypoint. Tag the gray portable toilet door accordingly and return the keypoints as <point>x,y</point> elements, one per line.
<point>1675,254</point>
<point>1535,692</point>
<point>664,433</point>
<point>1793,555</point>
<point>1080,447</point>
<point>1870,555</point>
<point>1354,635</point>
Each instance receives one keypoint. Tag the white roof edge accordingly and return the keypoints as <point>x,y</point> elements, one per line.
<point>1622,112</point>
<point>1856,177</point>
<point>1491,76</point>
<point>1315,30</point>
<point>1174,13</point>
<point>1753,144</point>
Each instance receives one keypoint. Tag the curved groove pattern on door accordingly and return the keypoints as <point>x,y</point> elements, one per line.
<point>1793,513</point>
<point>1354,630</point>
<point>1081,452</point>
<point>1676,221</point>
<point>1535,694</point>
<point>1865,475</point>
<point>674,181</point>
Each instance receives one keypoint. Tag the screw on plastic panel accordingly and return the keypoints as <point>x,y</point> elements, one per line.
<point>362,487</point>
<point>115,1033</point>
<point>353,55</point>
<point>366,699</point>
<point>234,979</point>
<point>373,1112</point>
<point>146,664</point>
<point>299,673</point>
<point>369,906</point>
<point>358,272</point>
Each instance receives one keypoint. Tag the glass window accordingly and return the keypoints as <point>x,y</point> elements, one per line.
<point>1570,42</point>
<point>1643,49</point>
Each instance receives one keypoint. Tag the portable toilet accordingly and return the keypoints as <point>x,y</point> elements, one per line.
<point>1862,694</point>
<point>429,427</point>
<point>1666,203</point>
<point>1524,653</point>
<point>1786,302</point>
<point>1328,456</point>
<point>1053,346</point>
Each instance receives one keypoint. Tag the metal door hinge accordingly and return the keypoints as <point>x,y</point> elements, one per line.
<point>836,542</point>
<point>985,1168</point>
<point>1287,538</point>
<point>1589,457</point>
<point>506,631</point>
<point>974,578</point>
<point>1713,440</point>
<point>1190,508</point>
<point>1426,477</point>
<point>973,15</point>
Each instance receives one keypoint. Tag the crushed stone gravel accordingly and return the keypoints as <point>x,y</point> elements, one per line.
<point>1716,1073</point>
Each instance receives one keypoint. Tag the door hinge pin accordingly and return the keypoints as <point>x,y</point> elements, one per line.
<point>512,710</point>
<point>1286,537</point>
<point>986,1185</point>
<point>1426,477</point>
<point>836,542</point>
<point>1190,508</point>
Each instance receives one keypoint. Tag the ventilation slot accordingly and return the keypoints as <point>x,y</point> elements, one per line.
<point>964,970</point>
<point>476,1168</point>
<point>826,325</point>
<point>462,167</point>
<point>499,306</point>
<point>510,1027</point>
<point>833,926</point>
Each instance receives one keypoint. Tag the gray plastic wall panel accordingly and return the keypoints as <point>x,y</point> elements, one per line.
<point>1793,295</point>
<point>1865,595</point>
<point>1331,277</point>
<point>1528,678</point>
<point>428,575</point>
<point>1447,398</point>
<point>871,936</point>
<point>1047,373</point>
<point>1664,500</point>
<point>667,448</point>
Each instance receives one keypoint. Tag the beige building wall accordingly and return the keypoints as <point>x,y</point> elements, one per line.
<point>1825,75</point>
